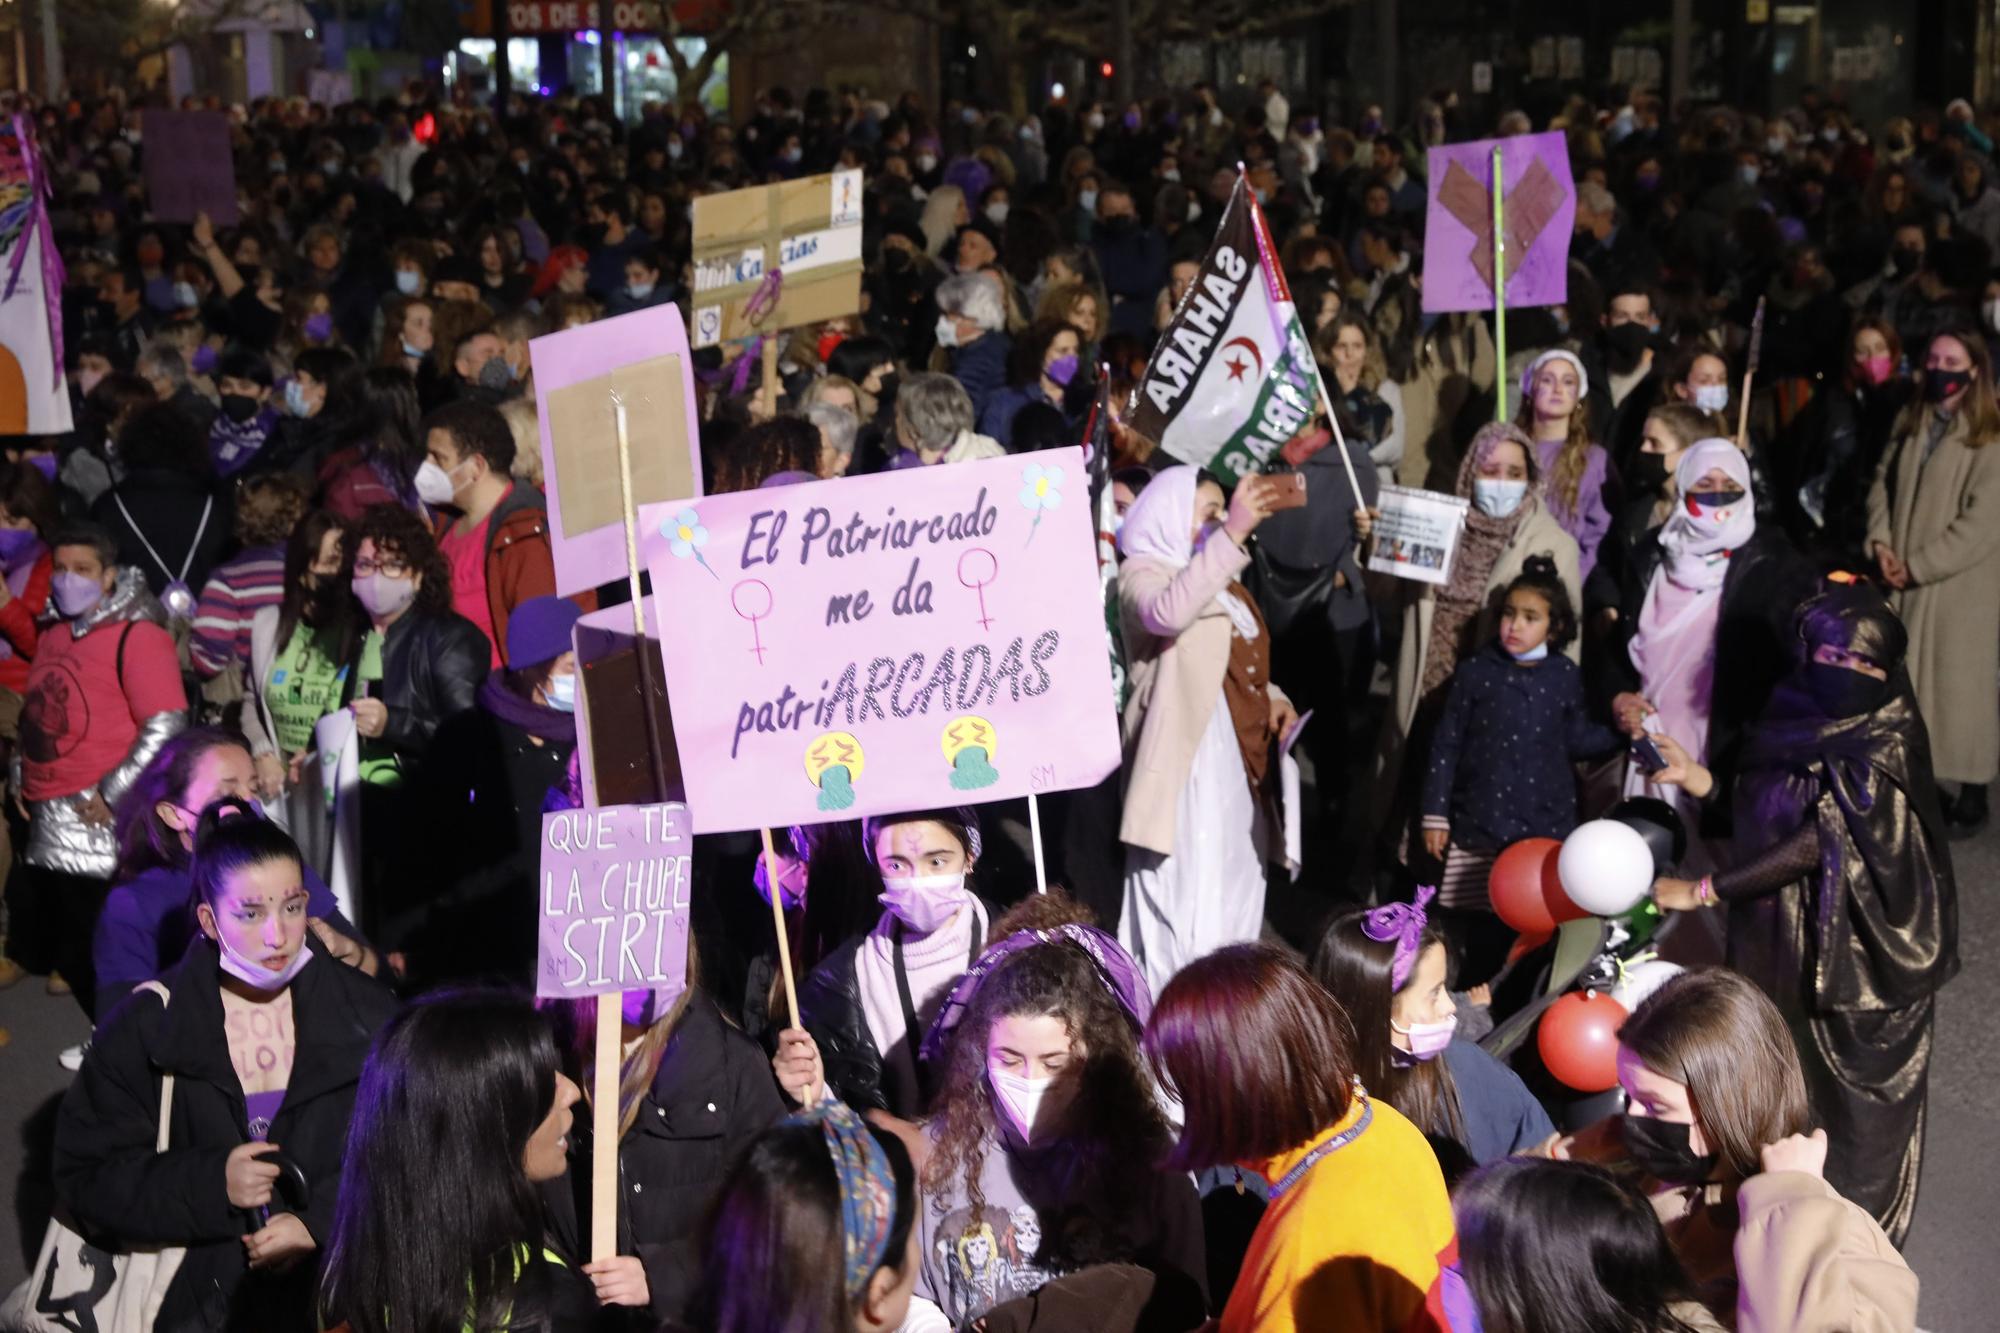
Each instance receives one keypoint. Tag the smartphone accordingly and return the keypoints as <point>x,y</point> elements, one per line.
<point>1648,754</point>
<point>1287,490</point>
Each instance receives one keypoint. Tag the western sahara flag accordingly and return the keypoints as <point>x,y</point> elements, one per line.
<point>1233,377</point>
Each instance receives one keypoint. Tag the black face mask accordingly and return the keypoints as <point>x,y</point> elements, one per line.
<point>1661,1150</point>
<point>239,407</point>
<point>1625,344</point>
<point>1844,692</point>
<point>323,602</point>
<point>1649,474</point>
<point>885,390</point>
<point>1942,384</point>
<point>1905,259</point>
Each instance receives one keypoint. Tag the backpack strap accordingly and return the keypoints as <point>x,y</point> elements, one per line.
<point>123,635</point>
<point>166,998</point>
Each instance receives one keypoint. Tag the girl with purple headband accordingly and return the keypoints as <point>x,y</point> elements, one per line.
<point>1047,1129</point>
<point>1389,968</point>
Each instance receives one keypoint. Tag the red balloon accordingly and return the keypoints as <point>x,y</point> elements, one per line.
<point>1527,892</point>
<point>1578,1039</point>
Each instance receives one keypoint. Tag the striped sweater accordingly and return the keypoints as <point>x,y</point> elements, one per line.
<point>240,586</point>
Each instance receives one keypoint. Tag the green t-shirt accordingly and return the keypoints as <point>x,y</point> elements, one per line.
<point>304,687</point>
<point>378,758</point>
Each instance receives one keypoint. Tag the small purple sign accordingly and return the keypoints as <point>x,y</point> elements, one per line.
<point>614,900</point>
<point>1538,205</point>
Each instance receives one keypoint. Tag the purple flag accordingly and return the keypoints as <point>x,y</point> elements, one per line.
<point>1539,203</point>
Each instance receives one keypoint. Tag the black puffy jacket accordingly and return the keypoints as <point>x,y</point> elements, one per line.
<point>121,1192</point>
<point>714,1092</point>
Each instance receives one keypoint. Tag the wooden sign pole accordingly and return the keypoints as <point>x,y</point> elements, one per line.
<point>771,371</point>
<point>778,921</point>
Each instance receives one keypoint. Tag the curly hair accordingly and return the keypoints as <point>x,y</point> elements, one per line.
<point>1113,1130</point>
<point>398,531</point>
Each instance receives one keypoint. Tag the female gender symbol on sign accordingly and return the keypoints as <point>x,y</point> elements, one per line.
<point>978,582</point>
<point>736,603</point>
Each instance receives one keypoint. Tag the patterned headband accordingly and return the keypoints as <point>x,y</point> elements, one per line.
<point>1401,924</point>
<point>867,1189</point>
<point>1115,969</point>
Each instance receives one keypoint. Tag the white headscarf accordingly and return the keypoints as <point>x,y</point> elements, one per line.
<point>1160,526</point>
<point>1555,354</point>
<point>1697,540</point>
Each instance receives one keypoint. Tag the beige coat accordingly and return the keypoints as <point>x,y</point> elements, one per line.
<point>1433,397</point>
<point>1942,518</point>
<point>1177,652</point>
<point>1809,1261</point>
<point>1539,534</point>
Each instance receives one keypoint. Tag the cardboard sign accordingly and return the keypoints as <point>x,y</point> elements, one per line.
<point>613,904</point>
<point>777,256</point>
<point>1538,200</point>
<point>921,638</point>
<point>1417,534</point>
<point>643,358</point>
<point>189,166</point>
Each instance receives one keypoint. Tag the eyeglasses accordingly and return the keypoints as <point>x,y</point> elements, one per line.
<point>390,565</point>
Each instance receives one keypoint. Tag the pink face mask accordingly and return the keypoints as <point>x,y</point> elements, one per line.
<point>1427,1040</point>
<point>1876,370</point>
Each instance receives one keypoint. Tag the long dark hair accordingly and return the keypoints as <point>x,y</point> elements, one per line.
<point>392,416</point>
<point>434,1201</point>
<point>773,1259</point>
<point>1360,973</point>
<point>1563,1247</point>
<point>300,552</point>
<point>145,843</point>
<point>229,837</point>
<point>1112,1134</point>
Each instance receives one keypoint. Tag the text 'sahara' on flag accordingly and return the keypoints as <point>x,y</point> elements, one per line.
<point>1232,379</point>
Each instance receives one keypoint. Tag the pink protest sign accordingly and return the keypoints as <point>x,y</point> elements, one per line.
<point>189,166</point>
<point>1538,213</point>
<point>638,360</point>
<point>614,900</point>
<point>913,639</point>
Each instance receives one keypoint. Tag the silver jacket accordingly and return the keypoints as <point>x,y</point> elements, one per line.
<point>58,837</point>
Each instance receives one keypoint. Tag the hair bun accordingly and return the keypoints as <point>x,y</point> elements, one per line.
<point>219,812</point>
<point>1539,564</point>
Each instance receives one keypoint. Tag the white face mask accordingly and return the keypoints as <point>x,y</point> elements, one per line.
<point>254,974</point>
<point>434,485</point>
<point>1496,498</point>
<point>560,691</point>
<point>996,213</point>
<point>1019,1098</point>
<point>408,281</point>
<point>1711,397</point>
<point>1992,312</point>
<point>925,903</point>
<point>947,331</point>
<point>1087,200</point>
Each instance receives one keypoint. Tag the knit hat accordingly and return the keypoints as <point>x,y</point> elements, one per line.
<point>539,631</point>
<point>1556,354</point>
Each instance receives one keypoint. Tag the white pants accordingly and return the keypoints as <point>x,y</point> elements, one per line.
<point>1210,892</point>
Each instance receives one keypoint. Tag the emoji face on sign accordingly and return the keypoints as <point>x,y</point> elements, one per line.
<point>969,745</point>
<point>833,764</point>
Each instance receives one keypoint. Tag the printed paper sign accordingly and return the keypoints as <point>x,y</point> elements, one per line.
<point>642,358</point>
<point>773,257</point>
<point>189,169</point>
<point>921,638</point>
<point>1538,201</point>
<point>614,900</point>
<point>1417,533</point>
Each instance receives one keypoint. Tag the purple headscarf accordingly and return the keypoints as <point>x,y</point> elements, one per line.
<point>1115,968</point>
<point>1401,924</point>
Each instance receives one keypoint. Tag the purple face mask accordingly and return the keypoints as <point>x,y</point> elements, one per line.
<point>205,360</point>
<point>44,464</point>
<point>319,327</point>
<point>643,1008</point>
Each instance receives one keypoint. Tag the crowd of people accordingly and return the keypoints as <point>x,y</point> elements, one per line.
<point>279,632</point>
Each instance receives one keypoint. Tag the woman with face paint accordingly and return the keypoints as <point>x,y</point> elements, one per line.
<point>868,1004</point>
<point>1706,608</point>
<point>1389,968</point>
<point>264,1036</point>
<point>693,1092</point>
<point>1717,1123</point>
<point>1939,555</point>
<point>1842,905</point>
<point>412,664</point>
<point>490,772</point>
<point>1047,1130</point>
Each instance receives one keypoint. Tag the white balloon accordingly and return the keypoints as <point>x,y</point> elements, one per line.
<point>1642,980</point>
<point>1606,867</point>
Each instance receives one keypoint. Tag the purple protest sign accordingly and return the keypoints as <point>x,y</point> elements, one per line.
<point>912,639</point>
<point>641,361</point>
<point>190,167</point>
<point>614,900</point>
<point>1539,212</point>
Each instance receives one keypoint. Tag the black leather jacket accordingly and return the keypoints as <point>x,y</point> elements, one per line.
<point>432,667</point>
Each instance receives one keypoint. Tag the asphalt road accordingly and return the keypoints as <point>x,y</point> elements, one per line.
<point>1951,1245</point>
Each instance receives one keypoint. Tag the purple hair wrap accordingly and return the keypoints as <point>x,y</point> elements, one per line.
<point>1115,968</point>
<point>1400,924</point>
